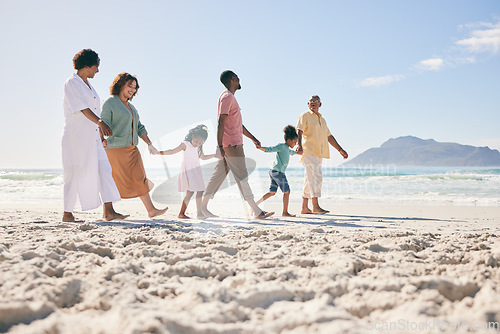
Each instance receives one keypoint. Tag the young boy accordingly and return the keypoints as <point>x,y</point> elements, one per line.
<point>277,173</point>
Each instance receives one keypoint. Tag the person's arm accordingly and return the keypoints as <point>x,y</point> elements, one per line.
<point>334,143</point>
<point>103,140</point>
<point>146,139</point>
<point>179,148</point>
<point>220,132</point>
<point>106,131</point>
<point>299,149</point>
<point>78,103</point>
<point>251,137</point>
<point>143,133</point>
<point>151,148</point>
<point>206,157</point>
<point>275,148</point>
<point>141,129</point>
<point>106,117</point>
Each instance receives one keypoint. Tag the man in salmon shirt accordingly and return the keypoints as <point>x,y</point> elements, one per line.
<point>230,131</point>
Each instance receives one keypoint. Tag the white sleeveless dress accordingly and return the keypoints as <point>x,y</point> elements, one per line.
<point>190,176</point>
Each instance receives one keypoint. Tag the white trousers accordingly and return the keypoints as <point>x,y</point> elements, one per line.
<point>313,176</point>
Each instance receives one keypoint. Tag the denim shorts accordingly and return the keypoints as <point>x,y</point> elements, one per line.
<point>278,179</point>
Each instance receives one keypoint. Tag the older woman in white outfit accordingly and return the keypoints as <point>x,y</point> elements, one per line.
<point>86,169</point>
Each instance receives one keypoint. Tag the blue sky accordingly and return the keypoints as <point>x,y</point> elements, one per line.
<point>383,69</point>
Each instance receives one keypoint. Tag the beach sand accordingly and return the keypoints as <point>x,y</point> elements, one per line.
<point>359,269</point>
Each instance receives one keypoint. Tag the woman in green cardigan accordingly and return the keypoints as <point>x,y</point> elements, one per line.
<point>121,147</point>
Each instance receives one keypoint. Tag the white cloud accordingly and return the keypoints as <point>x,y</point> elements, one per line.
<point>379,81</point>
<point>431,64</point>
<point>482,37</point>
<point>485,38</point>
<point>466,60</point>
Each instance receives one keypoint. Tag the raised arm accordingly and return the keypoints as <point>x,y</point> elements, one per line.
<point>334,143</point>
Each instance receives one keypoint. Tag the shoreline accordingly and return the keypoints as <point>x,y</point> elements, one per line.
<point>237,209</point>
<point>421,187</point>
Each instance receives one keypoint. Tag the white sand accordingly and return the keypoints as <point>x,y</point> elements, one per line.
<point>357,270</point>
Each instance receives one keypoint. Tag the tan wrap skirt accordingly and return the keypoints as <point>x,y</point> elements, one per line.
<point>128,171</point>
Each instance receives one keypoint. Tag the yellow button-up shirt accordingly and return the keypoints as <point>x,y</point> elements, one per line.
<point>315,135</point>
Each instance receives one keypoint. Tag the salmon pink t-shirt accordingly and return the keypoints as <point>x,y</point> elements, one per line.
<point>233,126</point>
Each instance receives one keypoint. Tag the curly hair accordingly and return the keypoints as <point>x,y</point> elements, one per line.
<point>201,131</point>
<point>290,132</point>
<point>120,81</point>
<point>85,58</point>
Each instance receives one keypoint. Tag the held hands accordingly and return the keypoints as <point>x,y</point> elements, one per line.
<point>343,153</point>
<point>152,150</point>
<point>263,149</point>
<point>104,143</point>
<point>105,129</point>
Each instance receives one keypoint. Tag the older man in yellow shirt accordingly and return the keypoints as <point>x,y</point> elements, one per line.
<point>314,137</point>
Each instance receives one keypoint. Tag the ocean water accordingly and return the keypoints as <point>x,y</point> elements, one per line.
<point>370,185</point>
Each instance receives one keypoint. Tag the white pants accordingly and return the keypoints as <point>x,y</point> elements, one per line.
<point>313,176</point>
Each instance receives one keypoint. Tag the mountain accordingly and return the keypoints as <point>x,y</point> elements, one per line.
<point>413,151</point>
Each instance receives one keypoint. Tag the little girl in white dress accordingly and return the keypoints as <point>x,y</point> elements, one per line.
<point>190,176</point>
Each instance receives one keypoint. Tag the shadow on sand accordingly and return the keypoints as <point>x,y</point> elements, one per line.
<point>218,224</point>
<point>165,224</point>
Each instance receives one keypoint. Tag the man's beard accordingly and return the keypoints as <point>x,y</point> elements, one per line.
<point>239,86</point>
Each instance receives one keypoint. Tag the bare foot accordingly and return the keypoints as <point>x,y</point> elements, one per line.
<point>208,214</point>
<point>319,211</point>
<point>201,216</point>
<point>183,216</point>
<point>306,211</point>
<point>156,212</point>
<point>115,216</point>
<point>69,218</point>
<point>286,214</point>
<point>264,214</point>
